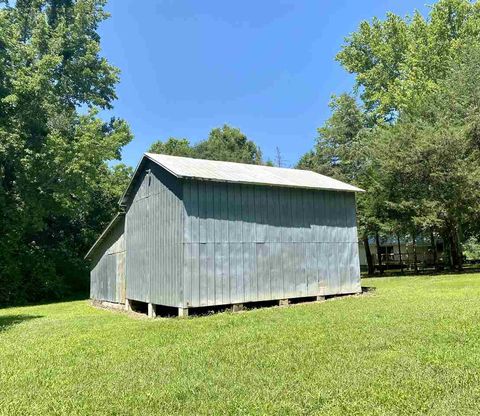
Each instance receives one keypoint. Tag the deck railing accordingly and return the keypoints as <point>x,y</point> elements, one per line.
<point>406,259</point>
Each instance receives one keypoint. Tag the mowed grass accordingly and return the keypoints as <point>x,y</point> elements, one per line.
<point>411,346</point>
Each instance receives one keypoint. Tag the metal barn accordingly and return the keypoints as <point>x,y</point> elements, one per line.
<point>107,256</point>
<point>198,233</point>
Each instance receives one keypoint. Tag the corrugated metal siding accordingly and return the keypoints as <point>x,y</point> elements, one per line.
<point>107,277</point>
<point>247,243</point>
<point>154,233</point>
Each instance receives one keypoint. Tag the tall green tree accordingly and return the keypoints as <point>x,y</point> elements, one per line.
<point>55,182</point>
<point>396,59</point>
<point>229,144</point>
<point>342,152</point>
<point>223,143</point>
<point>430,158</point>
<point>417,82</point>
<point>174,147</point>
<point>337,151</point>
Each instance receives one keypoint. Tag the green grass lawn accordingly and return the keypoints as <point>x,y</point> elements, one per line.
<point>412,346</point>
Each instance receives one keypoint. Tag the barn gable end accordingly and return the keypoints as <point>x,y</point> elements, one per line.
<point>154,236</point>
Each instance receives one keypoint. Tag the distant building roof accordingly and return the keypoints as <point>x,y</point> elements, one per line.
<point>188,168</point>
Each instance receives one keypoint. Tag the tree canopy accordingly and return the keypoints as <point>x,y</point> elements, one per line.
<point>223,143</point>
<point>397,59</point>
<point>410,136</point>
<point>57,189</point>
<point>173,147</point>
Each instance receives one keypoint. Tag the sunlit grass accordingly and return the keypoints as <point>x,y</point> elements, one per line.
<point>410,346</point>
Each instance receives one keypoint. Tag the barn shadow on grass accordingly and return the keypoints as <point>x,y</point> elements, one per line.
<point>8,321</point>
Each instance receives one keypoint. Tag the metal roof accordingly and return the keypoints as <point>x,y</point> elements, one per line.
<point>104,234</point>
<point>213,170</point>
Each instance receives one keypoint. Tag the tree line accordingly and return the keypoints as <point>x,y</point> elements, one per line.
<point>223,143</point>
<point>57,189</point>
<point>409,134</point>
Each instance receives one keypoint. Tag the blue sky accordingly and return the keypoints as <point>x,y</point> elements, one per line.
<point>264,66</point>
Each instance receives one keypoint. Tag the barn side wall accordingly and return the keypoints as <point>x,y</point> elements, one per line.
<point>107,276</point>
<point>154,234</point>
<point>250,243</point>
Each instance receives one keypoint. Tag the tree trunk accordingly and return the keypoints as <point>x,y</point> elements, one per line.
<point>379,253</point>
<point>447,252</point>
<point>455,250</point>
<point>368,255</point>
<point>415,259</point>
<point>434,250</point>
<point>459,248</point>
<point>400,253</point>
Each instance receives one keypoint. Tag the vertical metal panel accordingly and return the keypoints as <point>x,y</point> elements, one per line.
<point>248,213</point>
<point>354,269</point>
<point>263,270</point>
<point>195,275</point>
<point>329,217</point>
<point>261,210</point>
<point>202,212</point>
<point>138,279</point>
<point>107,276</point>
<point>344,252</point>
<point>269,243</point>
<point>210,273</point>
<point>297,215</point>
<point>351,218</point>
<point>320,227</point>
<point>234,208</point>
<point>301,288</point>
<point>236,273</point>
<point>194,213</point>
<point>250,271</point>
<point>154,235</point>
<point>209,213</point>
<point>334,282</point>
<point>275,291</point>
<point>288,268</point>
<point>222,274</point>
<point>187,205</point>
<point>311,268</point>
<point>309,215</point>
<point>120,283</point>
<point>221,212</point>
<point>273,215</point>
<point>285,214</point>
<point>218,274</point>
<point>202,274</point>
<point>342,227</point>
<point>188,266</point>
<point>323,267</point>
